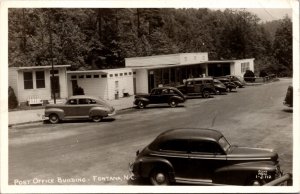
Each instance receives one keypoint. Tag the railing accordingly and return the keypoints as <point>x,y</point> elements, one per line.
<point>286,179</point>
<point>260,79</point>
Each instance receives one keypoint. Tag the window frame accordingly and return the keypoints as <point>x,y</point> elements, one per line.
<point>39,80</point>
<point>26,81</point>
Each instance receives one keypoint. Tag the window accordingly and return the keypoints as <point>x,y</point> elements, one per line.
<point>206,147</point>
<point>110,75</point>
<point>83,101</point>
<point>88,76</point>
<point>121,74</point>
<point>81,76</point>
<point>96,76</point>
<point>40,79</point>
<point>105,76</point>
<point>165,91</point>
<point>74,77</point>
<point>116,75</point>
<point>28,83</point>
<point>156,92</point>
<point>72,102</point>
<point>125,73</point>
<point>245,66</point>
<point>91,101</point>
<point>175,145</point>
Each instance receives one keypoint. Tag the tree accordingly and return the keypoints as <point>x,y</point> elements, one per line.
<point>283,46</point>
<point>12,99</point>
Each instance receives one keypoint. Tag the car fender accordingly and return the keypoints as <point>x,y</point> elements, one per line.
<point>147,165</point>
<point>60,112</point>
<point>98,111</point>
<point>146,100</point>
<point>177,98</point>
<point>239,174</point>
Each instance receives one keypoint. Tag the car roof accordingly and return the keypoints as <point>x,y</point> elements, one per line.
<point>200,78</point>
<point>82,97</point>
<point>190,133</point>
<point>165,87</point>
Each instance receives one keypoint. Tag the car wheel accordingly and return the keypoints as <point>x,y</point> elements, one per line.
<point>173,103</point>
<point>53,118</point>
<point>159,177</point>
<point>141,104</point>
<point>205,94</point>
<point>96,118</point>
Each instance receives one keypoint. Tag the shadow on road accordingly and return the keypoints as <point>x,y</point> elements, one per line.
<point>159,106</point>
<point>82,121</point>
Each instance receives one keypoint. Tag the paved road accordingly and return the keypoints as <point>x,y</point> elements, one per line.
<point>90,153</point>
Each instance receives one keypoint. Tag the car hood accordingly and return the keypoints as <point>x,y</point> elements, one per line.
<point>220,85</point>
<point>252,153</point>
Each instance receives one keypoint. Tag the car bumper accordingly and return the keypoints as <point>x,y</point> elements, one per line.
<point>112,114</point>
<point>133,174</point>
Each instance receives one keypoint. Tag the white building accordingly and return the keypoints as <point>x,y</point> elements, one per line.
<point>140,75</point>
<point>35,82</point>
<point>152,71</point>
<point>107,84</point>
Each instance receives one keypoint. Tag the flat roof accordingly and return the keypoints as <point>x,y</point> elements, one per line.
<point>165,66</point>
<point>41,67</point>
<point>105,71</point>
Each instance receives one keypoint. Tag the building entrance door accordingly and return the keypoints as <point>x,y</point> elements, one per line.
<point>55,87</point>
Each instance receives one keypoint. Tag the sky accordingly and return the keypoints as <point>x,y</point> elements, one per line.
<point>271,14</point>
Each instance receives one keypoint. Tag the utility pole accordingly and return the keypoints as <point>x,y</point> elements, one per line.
<point>51,53</point>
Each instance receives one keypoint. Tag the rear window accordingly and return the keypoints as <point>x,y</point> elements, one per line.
<point>175,145</point>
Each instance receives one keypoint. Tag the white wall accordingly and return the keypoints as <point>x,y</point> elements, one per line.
<point>104,87</point>
<point>141,81</point>
<point>42,93</point>
<point>13,80</point>
<point>62,83</point>
<point>238,66</point>
<point>92,86</point>
<point>193,58</point>
<point>118,85</point>
<point>152,60</point>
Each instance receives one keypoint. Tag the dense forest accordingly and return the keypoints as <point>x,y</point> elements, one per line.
<point>102,38</point>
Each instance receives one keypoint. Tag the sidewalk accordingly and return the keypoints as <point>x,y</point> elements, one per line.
<point>28,116</point>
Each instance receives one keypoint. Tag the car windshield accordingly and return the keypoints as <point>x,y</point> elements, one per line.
<point>224,144</point>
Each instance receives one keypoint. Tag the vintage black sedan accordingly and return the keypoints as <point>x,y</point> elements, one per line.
<point>160,95</point>
<point>229,85</point>
<point>204,157</point>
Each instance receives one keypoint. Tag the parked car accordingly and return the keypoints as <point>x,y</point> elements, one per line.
<point>237,80</point>
<point>220,87</point>
<point>79,107</point>
<point>205,157</point>
<point>198,86</point>
<point>288,100</point>
<point>229,85</point>
<point>160,95</point>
